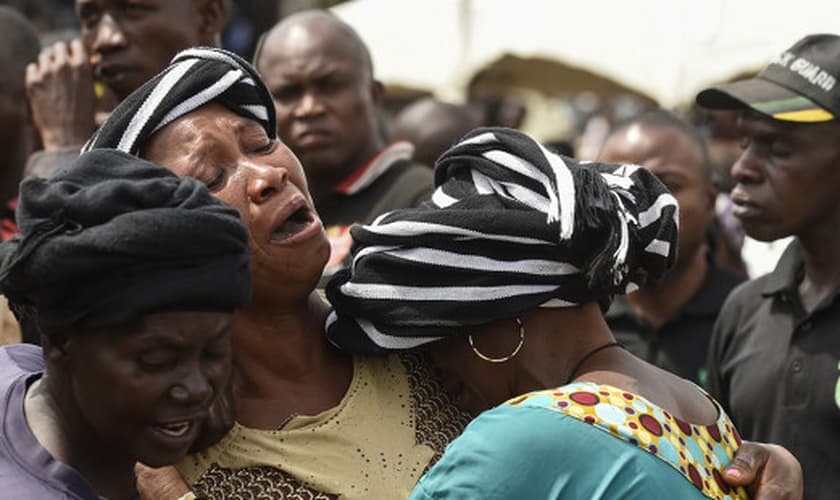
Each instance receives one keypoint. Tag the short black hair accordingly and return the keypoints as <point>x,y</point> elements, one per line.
<point>662,118</point>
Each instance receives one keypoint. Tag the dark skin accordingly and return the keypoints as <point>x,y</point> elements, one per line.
<point>283,363</point>
<point>129,42</point>
<point>433,127</point>
<point>326,99</point>
<point>674,158</point>
<point>786,184</point>
<point>547,359</point>
<point>126,42</point>
<point>112,397</point>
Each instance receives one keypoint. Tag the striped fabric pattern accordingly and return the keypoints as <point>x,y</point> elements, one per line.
<point>511,226</point>
<point>194,77</point>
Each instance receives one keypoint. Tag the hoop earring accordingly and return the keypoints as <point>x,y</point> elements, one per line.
<point>505,358</point>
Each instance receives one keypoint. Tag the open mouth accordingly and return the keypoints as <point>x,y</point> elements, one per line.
<point>295,224</point>
<point>175,429</point>
<point>112,73</point>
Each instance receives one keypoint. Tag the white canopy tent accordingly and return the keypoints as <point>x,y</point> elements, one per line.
<point>664,49</point>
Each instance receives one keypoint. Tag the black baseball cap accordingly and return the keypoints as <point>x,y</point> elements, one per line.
<point>799,85</point>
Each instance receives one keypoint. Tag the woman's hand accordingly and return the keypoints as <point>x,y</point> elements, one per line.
<point>159,484</point>
<point>768,471</point>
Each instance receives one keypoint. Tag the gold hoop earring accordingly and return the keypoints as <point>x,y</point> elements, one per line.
<point>505,358</point>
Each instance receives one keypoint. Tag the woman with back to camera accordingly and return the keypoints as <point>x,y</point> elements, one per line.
<point>505,276</point>
<point>131,275</point>
<point>309,419</point>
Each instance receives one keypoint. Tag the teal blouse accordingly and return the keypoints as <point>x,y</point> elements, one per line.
<point>583,441</point>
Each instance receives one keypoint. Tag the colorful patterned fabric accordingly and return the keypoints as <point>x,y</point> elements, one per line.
<point>699,452</point>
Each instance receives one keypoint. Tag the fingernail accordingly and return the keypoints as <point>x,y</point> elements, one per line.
<point>734,473</point>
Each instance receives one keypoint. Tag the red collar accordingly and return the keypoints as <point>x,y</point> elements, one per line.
<point>365,175</point>
<point>8,226</point>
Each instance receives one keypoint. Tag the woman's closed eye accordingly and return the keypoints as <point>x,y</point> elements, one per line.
<point>216,181</point>
<point>157,360</point>
<point>270,145</point>
<point>217,353</point>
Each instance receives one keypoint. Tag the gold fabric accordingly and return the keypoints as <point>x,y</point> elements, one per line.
<point>393,422</point>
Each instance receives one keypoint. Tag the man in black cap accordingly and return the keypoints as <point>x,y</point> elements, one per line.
<point>774,360</point>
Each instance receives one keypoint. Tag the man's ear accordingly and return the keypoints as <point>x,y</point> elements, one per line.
<point>212,16</point>
<point>377,92</point>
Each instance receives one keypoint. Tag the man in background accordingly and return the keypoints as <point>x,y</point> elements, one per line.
<point>669,322</point>
<point>774,361</point>
<point>433,126</point>
<point>122,45</point>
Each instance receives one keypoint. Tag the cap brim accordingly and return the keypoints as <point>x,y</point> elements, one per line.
<point>765,97</point>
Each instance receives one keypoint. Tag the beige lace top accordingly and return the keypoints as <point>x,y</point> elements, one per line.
<point>391,425</point>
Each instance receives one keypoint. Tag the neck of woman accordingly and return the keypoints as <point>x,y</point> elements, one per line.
<point>69,440</point>
<point>284,365</point>
<point>564,345</point>
<point>556,340</point>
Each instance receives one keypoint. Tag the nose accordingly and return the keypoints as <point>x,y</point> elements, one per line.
<point>264,181</point>
<point>747,169</point>
<point>108,35</point>
<point>193,388</point>
<point>308,105</point>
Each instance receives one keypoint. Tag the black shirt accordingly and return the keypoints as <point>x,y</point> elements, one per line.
<point>776,370</point>
<point>397,182</point>
<point>681,343</point>
<point>405,184</point>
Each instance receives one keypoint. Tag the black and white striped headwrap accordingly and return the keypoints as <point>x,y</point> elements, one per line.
<point>510,227</point>
<point>194,77</point>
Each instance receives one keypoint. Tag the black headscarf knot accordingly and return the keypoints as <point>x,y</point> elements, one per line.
<point>111,237</point>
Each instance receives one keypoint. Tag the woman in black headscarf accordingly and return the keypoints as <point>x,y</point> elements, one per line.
<point>504,276</point>
<point>131,275</point>
<point>311,419</point>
